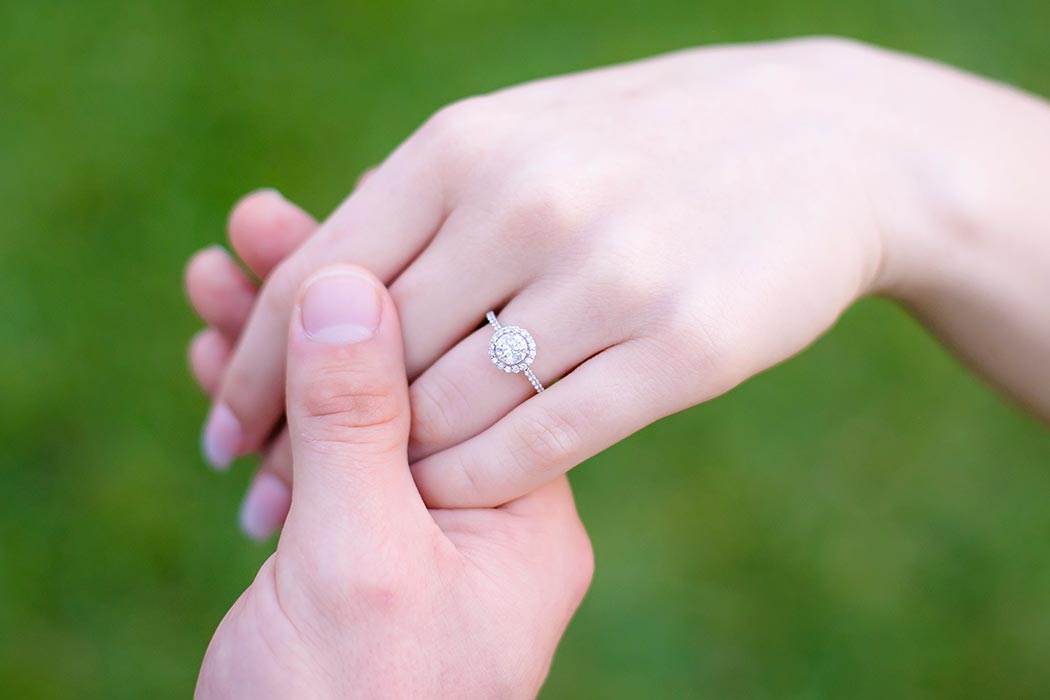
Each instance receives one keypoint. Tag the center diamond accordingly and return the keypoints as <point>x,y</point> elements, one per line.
<point>511,348</point>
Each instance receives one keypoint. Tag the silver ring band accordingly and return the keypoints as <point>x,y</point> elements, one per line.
<point>512,349</point>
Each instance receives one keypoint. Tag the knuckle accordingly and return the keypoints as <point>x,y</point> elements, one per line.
<point>432,400</point>
<point>541,214</point>
<point>700,349</point>
<point>279,290</point>
<point>617,287</point>
<point>792,61</point>
<point>784,69</point>
<point>240,390</point>
<point>549,205</point>
<point>457,132</point>
<point>349,396</point>
<point>345,406</point>
<point>714,364</point>
<point>545,442</point>
<point>467,477</point>
<point>829,44</point>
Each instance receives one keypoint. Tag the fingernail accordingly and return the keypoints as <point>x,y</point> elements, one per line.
<point>265,506</point>
<point>340,307</point>
<point>221,438</point>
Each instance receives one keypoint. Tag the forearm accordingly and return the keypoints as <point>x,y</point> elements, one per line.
<point>977,266</point>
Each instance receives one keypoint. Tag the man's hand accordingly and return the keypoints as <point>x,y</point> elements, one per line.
<point>370,594</point>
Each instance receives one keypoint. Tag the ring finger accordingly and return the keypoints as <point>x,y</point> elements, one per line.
<point>463,393</point>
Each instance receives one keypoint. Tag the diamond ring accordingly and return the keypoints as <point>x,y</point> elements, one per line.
<point>512,349</point>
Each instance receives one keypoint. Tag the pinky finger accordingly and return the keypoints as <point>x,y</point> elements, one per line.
<point>602,401</point>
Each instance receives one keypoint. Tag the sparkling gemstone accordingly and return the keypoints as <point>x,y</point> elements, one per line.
<point>511,348</point>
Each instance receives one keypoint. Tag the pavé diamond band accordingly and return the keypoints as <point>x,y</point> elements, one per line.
<point>512,349</point>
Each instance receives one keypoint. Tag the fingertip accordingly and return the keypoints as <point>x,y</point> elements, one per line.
<point>347,394</point>
<point>221,438</point>
<point>219,290</point>
<point>265,506</point>
<point>264,228</point>
<point>340,305</point>
<point>199,268</point>
<point>208,354</point>
<point>253,211</point>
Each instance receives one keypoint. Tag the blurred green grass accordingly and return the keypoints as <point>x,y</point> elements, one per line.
<point>865,521</point>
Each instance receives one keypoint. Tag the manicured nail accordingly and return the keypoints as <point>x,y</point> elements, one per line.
<point>340,307</point>
<point>265,506</point>
<point>221,438</point>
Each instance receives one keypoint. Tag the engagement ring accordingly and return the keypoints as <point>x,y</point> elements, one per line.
<point>512,349</point>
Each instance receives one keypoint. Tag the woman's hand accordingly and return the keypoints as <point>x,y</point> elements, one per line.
<point>369,594</point>
<point>665,230</point>
<point>264,229</point>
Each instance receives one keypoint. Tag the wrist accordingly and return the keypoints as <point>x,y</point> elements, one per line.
<point>965,222</point>
<point>962,193</point>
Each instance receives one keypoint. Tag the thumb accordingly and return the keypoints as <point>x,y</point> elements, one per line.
<point>348,415</point>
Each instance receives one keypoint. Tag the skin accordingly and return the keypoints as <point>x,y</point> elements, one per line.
<point>667,229</point>
<point>369,594</point>
<point>263,229</point>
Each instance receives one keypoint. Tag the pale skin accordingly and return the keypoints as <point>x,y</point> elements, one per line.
<point>369,594</point>
<point>665,230</point>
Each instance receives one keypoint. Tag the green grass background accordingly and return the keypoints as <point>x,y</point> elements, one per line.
<point>865,521</point>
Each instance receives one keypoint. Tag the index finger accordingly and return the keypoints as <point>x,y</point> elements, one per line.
<point>381,227</point>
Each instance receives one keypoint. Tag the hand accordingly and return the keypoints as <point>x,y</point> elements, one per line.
<point>666,230</point>
<point>369,594</point>
<point>264,228</point>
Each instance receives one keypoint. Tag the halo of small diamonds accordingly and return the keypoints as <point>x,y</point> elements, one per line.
<point>512,349</point>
